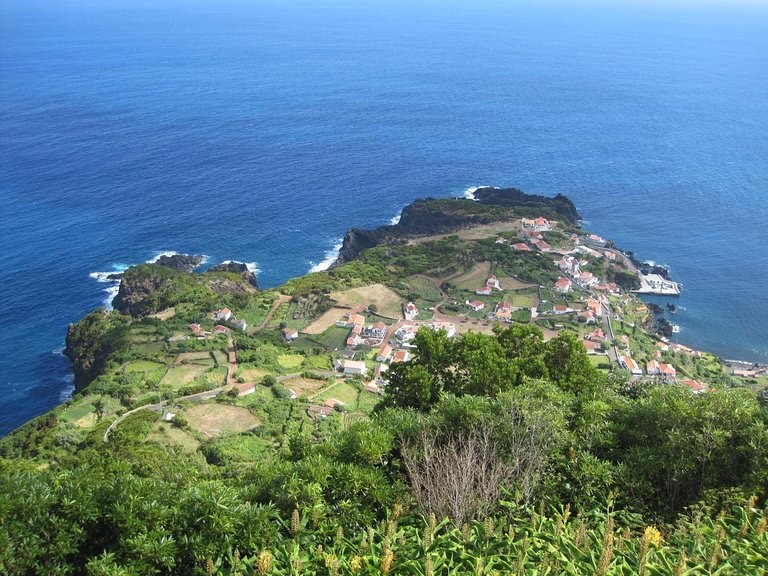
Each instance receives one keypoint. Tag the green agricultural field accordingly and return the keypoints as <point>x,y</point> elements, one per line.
<point>178,376</point>
<point>258,307</point>
<point>334,338</point>
<point>239,448</point>
<point>142,366</point>
<point>600,361</point>
<point>168,434</point>
<point>291,362</point>
<point>422,288</point>
<point>519,299</point>
<point>317,362</point>
<point>354,400</point>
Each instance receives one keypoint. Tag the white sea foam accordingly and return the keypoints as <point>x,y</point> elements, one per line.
<point>469,193</point>
<point>253,267</point>
<point>330,258</point>
<point>69,388</point>
<point>159,255</point>
<point>396,218</point>
<point>111,292</point>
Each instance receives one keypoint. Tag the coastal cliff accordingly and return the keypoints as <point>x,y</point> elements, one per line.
<point>90,342</point>
<point>149,288</point>
<point>432,216</point>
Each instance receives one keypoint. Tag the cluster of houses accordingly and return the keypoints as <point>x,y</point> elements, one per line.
<point>225,315</point>
<point>570,267</point>
<point>360,332</point>
<point>221,315</point>
<point>666,372</point>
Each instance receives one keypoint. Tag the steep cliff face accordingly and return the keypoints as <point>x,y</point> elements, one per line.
<point>90,342</point>
<point>239,268</point>
<point>138,286</point>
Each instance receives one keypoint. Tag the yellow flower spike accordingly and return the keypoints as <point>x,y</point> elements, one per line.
<point>652,537</point>
<point>356,564</point>
<point>264,562</point>
<point>386,561</point>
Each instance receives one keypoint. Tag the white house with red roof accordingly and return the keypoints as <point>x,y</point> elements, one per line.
<point>290,334</point>
<point>521,247</point>
<point>541,245</point>
<point>476,305</point>
<point>695,386</point>
<point>596,335</point>
<point>561,309</point>
<point>351,366</point>
<point>484,291</point>
<point>401,356</point>
<point>222,314</point>
<point>410,311</point>
<point>539,224</point>
<point>385,353</point>
<point>595,305</point>
<point>406,333</point>
<point>448,327</point>
<point>563,285</point>
<point>503,311</point>
<point>629,364</point>
<point>588,279</point>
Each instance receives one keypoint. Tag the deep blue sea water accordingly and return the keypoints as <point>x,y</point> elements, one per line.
<point>262,130</point>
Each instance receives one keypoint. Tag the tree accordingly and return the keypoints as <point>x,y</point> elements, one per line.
<point>568,364</point>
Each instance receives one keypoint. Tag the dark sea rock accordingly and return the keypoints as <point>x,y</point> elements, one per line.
<point>180,262</point>
<point>239,268</point>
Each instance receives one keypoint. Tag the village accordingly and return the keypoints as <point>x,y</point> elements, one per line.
<point>320,355</point>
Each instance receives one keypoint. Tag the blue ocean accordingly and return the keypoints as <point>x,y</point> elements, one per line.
<point>262,130</point>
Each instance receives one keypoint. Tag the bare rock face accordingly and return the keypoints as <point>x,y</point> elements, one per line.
<point>180,262</point>
<point>137,286</point>
<point>240,268</point>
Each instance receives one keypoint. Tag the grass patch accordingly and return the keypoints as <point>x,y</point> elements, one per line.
<point>343,391</point>
<point>258,307</point>
<point>599,361</point>
<point>421,288</point>
<point>290,362</point>
<point>166,433</point>
<point>387,301</point>
<point>306,387</point>
<point>473,279</point>
<point>178,376</point>
<point>334,338</point>
<point>519,299</point>
<point>142,366</point>
<point>240,448</point>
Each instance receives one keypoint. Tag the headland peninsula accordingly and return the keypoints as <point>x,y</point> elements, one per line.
<point>479,377</point>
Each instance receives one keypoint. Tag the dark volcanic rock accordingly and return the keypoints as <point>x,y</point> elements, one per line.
<point>515,198</point>
<point>180,262</point>
<point>240,268</point>
<point>137,286</point>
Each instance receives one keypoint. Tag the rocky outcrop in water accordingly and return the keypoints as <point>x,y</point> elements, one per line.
<point>180,262</point>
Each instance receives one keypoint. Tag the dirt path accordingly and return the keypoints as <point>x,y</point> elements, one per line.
<point>281,299</point>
